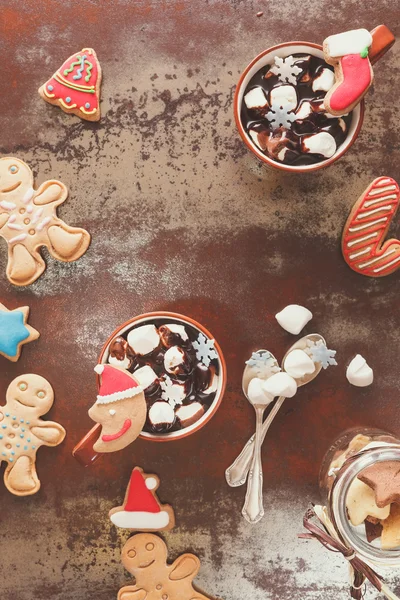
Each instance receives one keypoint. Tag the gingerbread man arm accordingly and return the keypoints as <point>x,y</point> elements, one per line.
<point>51,192</point>
<point>186,566</point>
<point>3,219</point>
<point>49,433</point>
<point>130,592</point>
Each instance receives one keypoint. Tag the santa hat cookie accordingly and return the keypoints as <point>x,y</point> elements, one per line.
<point>141,510</point>
<point>75,87</point>
<point>116,384</point>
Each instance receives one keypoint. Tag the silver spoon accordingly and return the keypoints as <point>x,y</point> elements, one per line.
<point>236,474</point>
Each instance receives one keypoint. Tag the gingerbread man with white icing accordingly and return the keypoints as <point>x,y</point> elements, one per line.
<point>145,557</point>
<point>22,432</point>
<point>28,220</point>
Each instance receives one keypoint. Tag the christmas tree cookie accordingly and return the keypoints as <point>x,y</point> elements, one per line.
<point>75,87</point>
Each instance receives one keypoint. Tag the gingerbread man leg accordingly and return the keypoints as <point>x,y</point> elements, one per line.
<point>20,478</point>
<point>67,243</point>
<point>24,266</point>
<point>130,592</point>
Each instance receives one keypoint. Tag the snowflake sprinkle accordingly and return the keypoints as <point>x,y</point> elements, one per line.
<point>319,353</point>
<point>205,350</point>
<point>173,393</point>
<point>263,362</point>
<point>285,69</point>
<point>280,116</point>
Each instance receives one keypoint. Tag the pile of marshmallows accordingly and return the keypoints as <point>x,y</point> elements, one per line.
<point>297,364</point>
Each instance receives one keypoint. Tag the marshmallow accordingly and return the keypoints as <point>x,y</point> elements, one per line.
<point>284,95</point>
<point>324,80</point>
<point>213,384</point>
<point>161,414</point>
<point>144,339</point>
<point>280,384</point>
<point>255,99</point>
<point>173,357</point>
<point>304,110</point>
<point>190,413</point>
<point>170,332</point>
<point>293,318</point>
<point>259,139</point>
<point>125,363</point>
<point>178,330</point>
<point>321,143</point>
<point>359,373</point>
<point>256,393</point>
<point>360,503</point>
<point>145,376</point>
<point>298,363</point>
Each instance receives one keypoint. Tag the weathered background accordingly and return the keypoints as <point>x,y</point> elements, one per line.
<point>184,219</point>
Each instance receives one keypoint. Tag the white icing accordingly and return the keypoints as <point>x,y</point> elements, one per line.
<point>12,225</point>
<point>28,195</point>
<point>112,411</point>
<point>145,376</point>
<point>280,384</point>
<point>140,519</point>
<point>348,42</point>
<point>284,95</point>
<point>173,357</point>
<point>43,224</point>
<point>18,238</point>
<point>379,189</point>
<point>7,205</point>
<point>178,329</point>
<point>293,318</point>
<point>360,227</point>
<point>108,398</point>
<point>392,197</point>
<point>144,339</point>
<point>359,373</point>
<point>360,253</point>
<point>257,394</point>
<point>324,81</point>
<point>151,483</point>
<point>161,412</point>
<point>255,99</point>
<point>362,239</point>
<point>364,215</point>
<point>389,264</point>
<point>298,363</point>
<point>123,364</point>
<point>37,215</point>
<point>320,143</point>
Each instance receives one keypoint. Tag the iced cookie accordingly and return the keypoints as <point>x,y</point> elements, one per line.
<point>141,510</point>
<point>120,409</point>
<point>28,221</point>
<point>363,243</point>
<point>22,432</point>
<point>145,557</point>
<point>75,87</point>
<point>15,331</point>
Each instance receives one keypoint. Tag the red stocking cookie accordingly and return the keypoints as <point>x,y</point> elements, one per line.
<point>348,53</point>
<point>75,87</point>
<point>363,244</point>
<point>141,510</point>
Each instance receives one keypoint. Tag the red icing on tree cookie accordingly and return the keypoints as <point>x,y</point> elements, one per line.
<point>75,87</point>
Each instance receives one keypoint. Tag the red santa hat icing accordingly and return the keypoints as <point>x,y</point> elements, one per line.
<point>116,384</point>
<point>141,510</point>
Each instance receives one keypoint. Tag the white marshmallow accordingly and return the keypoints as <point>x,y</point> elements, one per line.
<point>280,384</point>
<point>304,111</point>
<point>144,339</point>
<point>213,385</point>
<point>282,154</point>
<point>293,318</point>
<point>161,412</point>
<point>359,373</point>
<point>257,394</point>
<point>324,81</point>
<point>173,358</point>
<point>259,141</point>
<point>255,99</point>
<point>342,124</point>
<point>348,42</point>
<point>124,363</point>
<point>190,413</point>
<point>178,329</point>
<point>284,95</point>
<point>145,376</point>
<point>320,143</point>
<point>298,363</point>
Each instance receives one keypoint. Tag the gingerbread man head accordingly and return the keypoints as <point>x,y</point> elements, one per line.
<point>143,551</point>
<point>14,175</point>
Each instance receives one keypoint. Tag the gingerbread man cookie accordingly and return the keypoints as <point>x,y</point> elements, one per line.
<point>15,331</point>
<point>28,221</point>
<point>22,432</point>
<point>145,557</point>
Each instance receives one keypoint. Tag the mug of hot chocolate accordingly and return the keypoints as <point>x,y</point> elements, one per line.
<point>299,106</point>
<point>161,376</point>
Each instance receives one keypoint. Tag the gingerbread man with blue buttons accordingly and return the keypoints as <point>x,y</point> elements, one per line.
<point>23,432</point>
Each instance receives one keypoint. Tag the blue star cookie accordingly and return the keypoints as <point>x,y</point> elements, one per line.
<point>15,331</point>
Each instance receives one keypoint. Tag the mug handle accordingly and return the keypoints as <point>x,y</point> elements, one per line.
<point>83,451</point>
<point>382,40</point>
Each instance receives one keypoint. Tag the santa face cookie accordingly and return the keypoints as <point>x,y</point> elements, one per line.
<point>120,409</point>
<point>28,221</point>
<point>22,432</point>
<point>141,510</point>
<point>75,87</point>
<point>15,331</point>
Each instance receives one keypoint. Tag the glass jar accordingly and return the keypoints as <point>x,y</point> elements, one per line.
<point>353,452</point>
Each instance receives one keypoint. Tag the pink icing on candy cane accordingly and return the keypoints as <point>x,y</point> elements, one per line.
<point>357,78</point>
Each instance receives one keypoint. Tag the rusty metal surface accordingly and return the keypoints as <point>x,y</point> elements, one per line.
<point>184,219</point>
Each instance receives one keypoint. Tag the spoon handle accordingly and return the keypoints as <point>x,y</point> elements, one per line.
<point>236,474</point>
<point>253,509</point>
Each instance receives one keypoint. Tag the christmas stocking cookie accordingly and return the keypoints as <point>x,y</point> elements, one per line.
<point>22,432</point>
<point>28,221</point>
<point>141,510</point>
<point>145,557</point>
<point>75,87</point>
<point>348,53</point>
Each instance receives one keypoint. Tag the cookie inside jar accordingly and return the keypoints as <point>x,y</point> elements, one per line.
<point>177,367</point>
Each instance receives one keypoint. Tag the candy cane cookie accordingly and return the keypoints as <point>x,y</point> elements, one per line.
<point>363,243</point>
